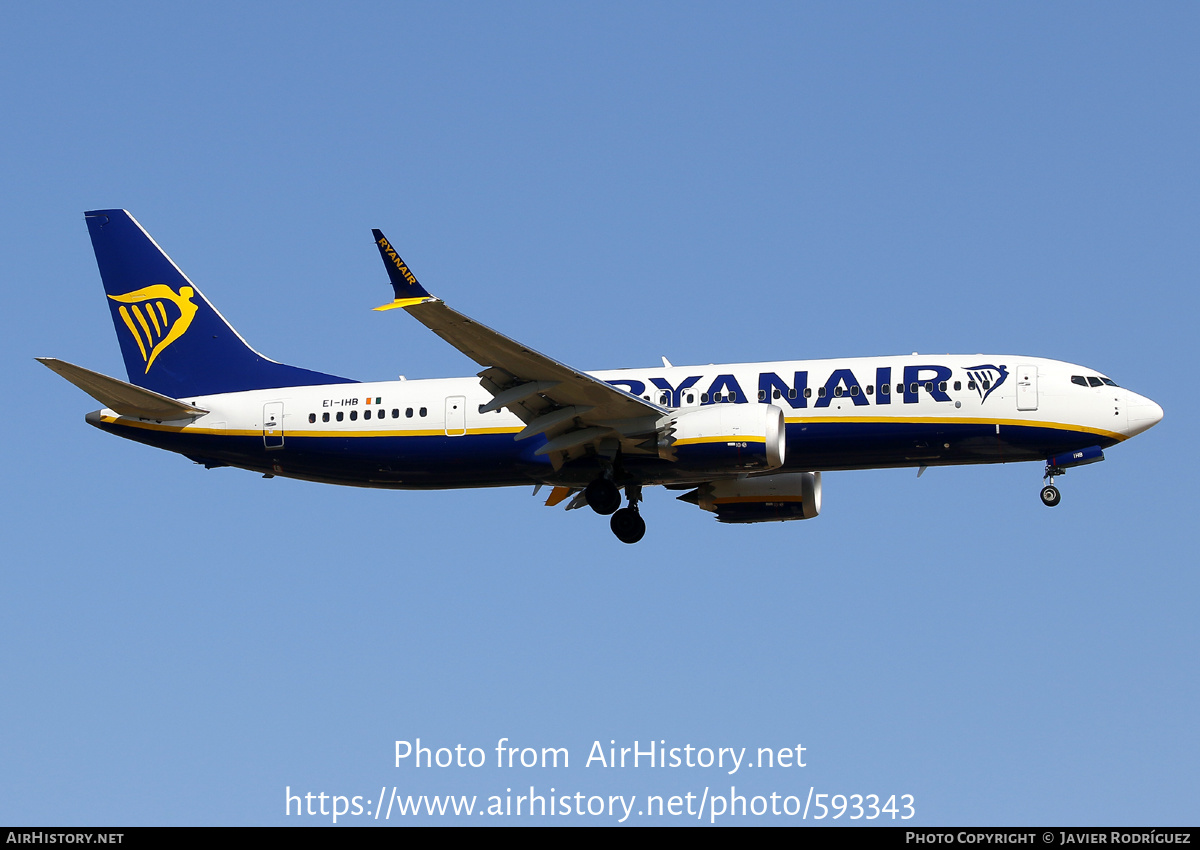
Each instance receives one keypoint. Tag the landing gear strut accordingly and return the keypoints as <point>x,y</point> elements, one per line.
<point>1050,494</point>
<point>627,523</point>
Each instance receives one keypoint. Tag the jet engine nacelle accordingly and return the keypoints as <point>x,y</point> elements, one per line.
<point>727,437</point>
<point>766,498</point>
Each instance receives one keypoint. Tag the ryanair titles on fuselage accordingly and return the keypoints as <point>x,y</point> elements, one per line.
<point>844,384</point>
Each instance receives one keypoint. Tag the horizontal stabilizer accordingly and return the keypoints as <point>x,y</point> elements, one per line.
<point>125,399</point>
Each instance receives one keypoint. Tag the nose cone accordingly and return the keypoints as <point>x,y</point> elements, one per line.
<point>1143,414</point>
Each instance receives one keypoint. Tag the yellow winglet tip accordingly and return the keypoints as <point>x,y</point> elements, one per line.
<point>403,302</point>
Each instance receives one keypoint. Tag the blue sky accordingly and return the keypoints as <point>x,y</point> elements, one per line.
<point>609,184</point>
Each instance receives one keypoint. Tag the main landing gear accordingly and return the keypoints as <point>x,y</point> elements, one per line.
<point>604,497</point>
<point>1050,495</point>
<point>628,525</point>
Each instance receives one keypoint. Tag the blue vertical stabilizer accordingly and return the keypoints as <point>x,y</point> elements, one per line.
<point>173,340</point>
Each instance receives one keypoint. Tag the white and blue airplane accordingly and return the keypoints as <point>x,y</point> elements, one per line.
<point>747,441</point>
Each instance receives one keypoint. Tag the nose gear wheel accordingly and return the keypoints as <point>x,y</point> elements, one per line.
<point>1050,495</point>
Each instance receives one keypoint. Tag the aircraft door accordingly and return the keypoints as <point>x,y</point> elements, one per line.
<point>1027,390</point>
<point>456,416</point>
<point>273,425</point>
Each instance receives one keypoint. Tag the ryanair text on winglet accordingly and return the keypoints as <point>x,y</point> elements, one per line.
<point>396,261</point>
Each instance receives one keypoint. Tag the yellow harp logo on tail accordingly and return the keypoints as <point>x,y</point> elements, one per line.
<point>145,313</point>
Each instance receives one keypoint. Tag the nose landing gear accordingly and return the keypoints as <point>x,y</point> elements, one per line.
<point>1050,495</point>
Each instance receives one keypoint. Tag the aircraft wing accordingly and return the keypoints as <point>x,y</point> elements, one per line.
<point>575,411</point>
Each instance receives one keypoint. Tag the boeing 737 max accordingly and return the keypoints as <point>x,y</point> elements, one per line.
<point>746,441</point>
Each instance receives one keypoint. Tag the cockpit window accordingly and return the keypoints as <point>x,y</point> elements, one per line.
<point>1079,379</point>
<point>1108,382</point>
<point>1094,381</point>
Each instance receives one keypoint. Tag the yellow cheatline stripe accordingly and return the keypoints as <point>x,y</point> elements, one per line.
<point>425,432</point>
<point>403,302</point>
<point>736,499</point>
<point>295,432</point>
<point>129,324</point>
<point>942,420</point>
<point>689,441</point>
<point>301,432</point>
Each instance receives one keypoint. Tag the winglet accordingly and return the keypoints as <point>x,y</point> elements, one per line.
<point>404,282</point>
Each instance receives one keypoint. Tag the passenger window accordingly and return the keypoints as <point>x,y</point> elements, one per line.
<point>424,411</point>
<point>791,393</point>
<point>367,414</point>
<point>854,390</point>
<point>970,385</point>
<point>704,398</point>
<point>324,417</point>
<point>870,389</point>
<point>900,388</point>
<point>353,415</point>
<point>808,392</point>
<point>691,398</point>
<point>664,399</point>
<point>312,417</point>
<point>929,386</point>
<point>821,392</point>
<point>408,412</point>
<point>762,395</point>
<point>957,386</point>
<point>912,388</point>
<point>340,416</point>
<point>837,392</point>
<point>987,385</point>
<point>395,413</point>
<point>776,394</point>
<point>942,387</point>
<point>885,389</point>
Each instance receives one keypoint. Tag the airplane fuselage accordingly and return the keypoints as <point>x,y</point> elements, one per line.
<point>854,413</point>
